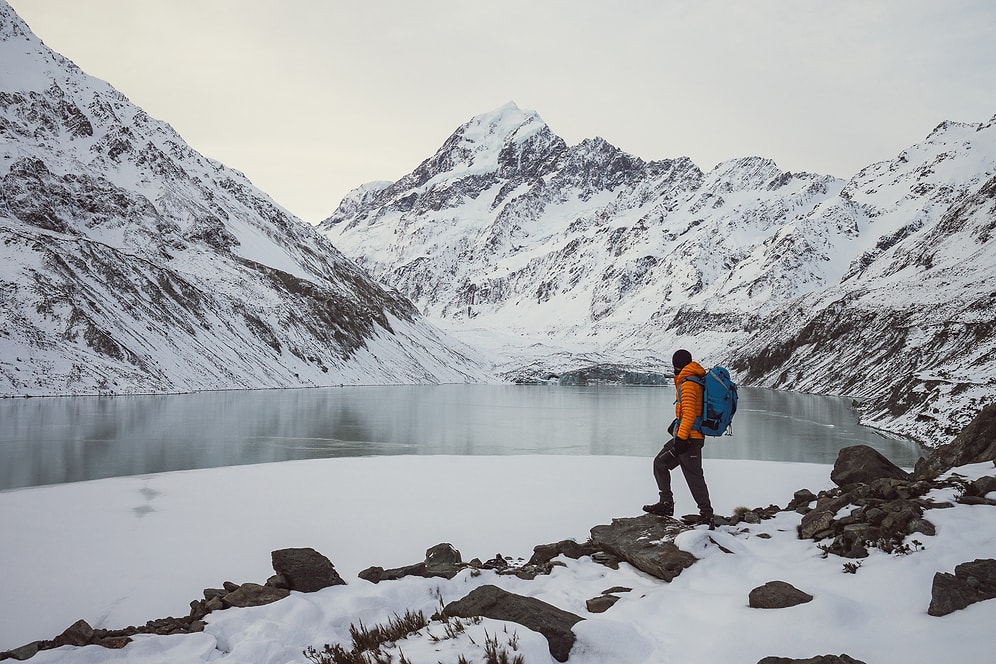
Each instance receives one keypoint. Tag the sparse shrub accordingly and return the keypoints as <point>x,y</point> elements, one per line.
<point>367,642</point>
<point>498,654</point>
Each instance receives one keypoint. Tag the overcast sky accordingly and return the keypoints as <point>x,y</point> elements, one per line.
<point>311,98</point>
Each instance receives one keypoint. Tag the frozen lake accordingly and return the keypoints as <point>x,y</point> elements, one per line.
<point>70,439</point>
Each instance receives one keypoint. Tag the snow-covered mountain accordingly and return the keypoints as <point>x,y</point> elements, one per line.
<point>553,256</point>
<point>131,263</point>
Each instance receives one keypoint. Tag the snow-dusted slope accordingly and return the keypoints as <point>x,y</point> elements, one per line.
<point>554,256</point>
<point>546,238</point>
<point>133,263</point>
<point>911,327</point>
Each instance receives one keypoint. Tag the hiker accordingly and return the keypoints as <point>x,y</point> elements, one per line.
<point>685,448</point>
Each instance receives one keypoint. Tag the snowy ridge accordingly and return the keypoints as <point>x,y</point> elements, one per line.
<point>558,255</point>
<point>134,264</point>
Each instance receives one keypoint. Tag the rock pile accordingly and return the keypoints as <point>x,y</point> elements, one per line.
<point>304,570</point>
<point>876,504</point>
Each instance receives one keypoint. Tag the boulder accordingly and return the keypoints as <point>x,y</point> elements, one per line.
<point>815,523</point>
<point>801,499</point>
<point>863,464</point>
<point>777,595</point>
<point>646,542</point>
<point>492,602</point>
<point>78,634</point>
<point>972,582</point>
<point>443,561</point>
<point>305,570</point>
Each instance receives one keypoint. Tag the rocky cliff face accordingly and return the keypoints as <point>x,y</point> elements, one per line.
<point>133,264</point>
<point>556,256</point>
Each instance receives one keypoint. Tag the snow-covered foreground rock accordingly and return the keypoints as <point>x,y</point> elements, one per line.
<point>122,551</point>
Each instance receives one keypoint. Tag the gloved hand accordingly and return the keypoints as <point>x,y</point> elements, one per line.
<point>681,445</point>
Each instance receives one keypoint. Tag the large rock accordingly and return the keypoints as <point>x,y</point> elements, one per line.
<point>862,464</point>
<point>493,602</point>
<point>972,582</point>
<point>976,443</point>
<point>777,595</point>
<point>78,634</point>
<point>305,570</point>
<point>647,543</point>
<point>443,561</point>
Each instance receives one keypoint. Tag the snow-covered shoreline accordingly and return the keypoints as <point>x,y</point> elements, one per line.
<point>125,550</point>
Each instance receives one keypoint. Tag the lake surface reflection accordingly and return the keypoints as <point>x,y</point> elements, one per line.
<point>68,439</point>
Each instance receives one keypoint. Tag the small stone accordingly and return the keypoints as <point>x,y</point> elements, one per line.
<point>601,604</point>
<point>253,594</point>
<point>114,642</point>
<point>777,595</point>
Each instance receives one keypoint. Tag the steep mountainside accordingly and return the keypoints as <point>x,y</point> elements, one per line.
<point>131,263</point>
<point>554,256</point>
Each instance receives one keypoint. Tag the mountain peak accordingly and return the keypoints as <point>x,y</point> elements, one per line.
<point>135,264</point>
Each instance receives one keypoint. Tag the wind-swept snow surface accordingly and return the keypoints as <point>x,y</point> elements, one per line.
<point>122,551</point>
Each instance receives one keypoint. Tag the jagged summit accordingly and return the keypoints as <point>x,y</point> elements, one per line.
<point>556,254</point>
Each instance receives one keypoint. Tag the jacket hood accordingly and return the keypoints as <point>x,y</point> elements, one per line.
<point>692,369</point>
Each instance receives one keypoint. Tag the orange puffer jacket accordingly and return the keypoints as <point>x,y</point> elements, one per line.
<point>688,406</point>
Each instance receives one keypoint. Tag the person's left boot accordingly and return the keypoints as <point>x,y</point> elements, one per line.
<point>707,519</point>
<point>661,508</point>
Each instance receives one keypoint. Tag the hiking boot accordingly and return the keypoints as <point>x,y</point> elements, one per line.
<point>707,519</point>
<point>660,508</point>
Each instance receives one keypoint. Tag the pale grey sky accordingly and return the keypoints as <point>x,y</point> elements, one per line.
<point>311,98</point>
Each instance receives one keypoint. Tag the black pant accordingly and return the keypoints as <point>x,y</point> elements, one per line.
<point>691,467</point>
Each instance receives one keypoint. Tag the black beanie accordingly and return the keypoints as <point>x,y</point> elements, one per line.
<point>680,359</point>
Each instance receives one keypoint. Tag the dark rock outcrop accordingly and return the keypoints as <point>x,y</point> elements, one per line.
<point>544,553</point>
<point>777,595</point>
<point>492,602</point>
<point>253,594</point>
<point>864,464</point>
<point>971,582</point>
<point>305,569</point>
<point>441,560</point>
<point>976,443</point>
<point>645,542</point>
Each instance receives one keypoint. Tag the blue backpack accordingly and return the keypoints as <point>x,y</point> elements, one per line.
<point>719,402</point>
